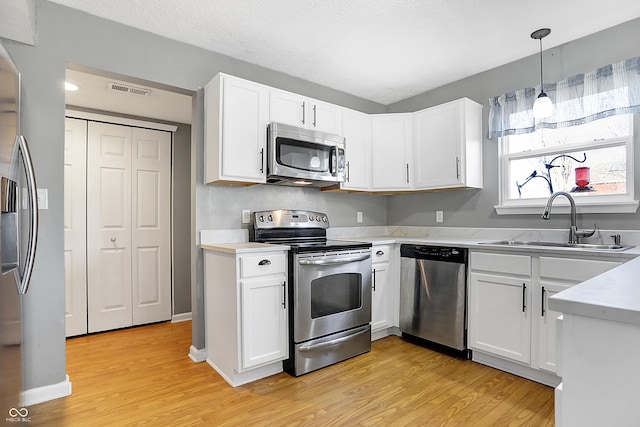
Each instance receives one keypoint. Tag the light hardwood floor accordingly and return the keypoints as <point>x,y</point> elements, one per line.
<point>143,376</point>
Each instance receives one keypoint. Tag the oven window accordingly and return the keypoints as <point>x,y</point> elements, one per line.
<point>305,156</point>
<point>336,293</point>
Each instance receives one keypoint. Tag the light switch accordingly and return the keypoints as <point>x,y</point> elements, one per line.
<point>246,216</point>
<point>439,216</point>
<point>359,217</point>
<point>43,198</point>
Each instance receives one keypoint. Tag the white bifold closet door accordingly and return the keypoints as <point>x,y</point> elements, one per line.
<point>75,226</point>
<point>128,226</point>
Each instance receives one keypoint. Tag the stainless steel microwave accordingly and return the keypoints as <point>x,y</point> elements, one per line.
<point>302,157</point>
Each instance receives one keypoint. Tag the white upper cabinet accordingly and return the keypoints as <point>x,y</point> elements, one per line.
<point>447,147</point>
<point>301,111</point>
<point>356,129</point>
<point>236,115</point>
<point>391,152</point>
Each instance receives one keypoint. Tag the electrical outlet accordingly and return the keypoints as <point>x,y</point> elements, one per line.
<point>359,217</point>
<point>246,216</point>
<point>439,216</point>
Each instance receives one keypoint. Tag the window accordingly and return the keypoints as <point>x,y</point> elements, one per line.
<point>593,162</point>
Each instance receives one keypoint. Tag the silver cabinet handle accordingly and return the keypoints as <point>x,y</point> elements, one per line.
<point>457,167</point>
<point>379,253</point>
<point>333,260</point>
<point>407,173</point>
<point>265,262</point>
<point>314,115</point>
<point>542,311</point>
<point>524,296</point>
<point>303,112</point>
<point>23,281</point>
<point>262,160</point>
<point>373,287</point>
<point>284,295</point>
<point>348,172</point>
<point>312,347</point>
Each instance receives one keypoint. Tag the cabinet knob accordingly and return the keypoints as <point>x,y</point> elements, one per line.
<point>379,253</point>
<point>113,239</point>
<point>265,262</point>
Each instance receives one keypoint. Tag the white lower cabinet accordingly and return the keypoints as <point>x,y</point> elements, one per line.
<point>556,275</point>
<point>381,295</point>
<point>499,295</point>
<point>246,314</point>
<point>509,319</point>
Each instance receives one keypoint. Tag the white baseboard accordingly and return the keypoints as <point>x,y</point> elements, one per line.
<point>197,354</point>
<point>45,393</point>
<point>181,317</point>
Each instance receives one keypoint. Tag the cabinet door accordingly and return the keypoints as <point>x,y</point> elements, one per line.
<point>244,130</point>
<point>356,128</point>
<point>381,301</point>
<point>547,327</point>
<point>391,136</point>
<point>264,330</point>
<point>287,108</point>
<point>556,275</point>
<point>437,145</point>
<point>499,316</point>
<point>325,117</point>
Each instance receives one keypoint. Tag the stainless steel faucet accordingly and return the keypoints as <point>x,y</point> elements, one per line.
<point>574,233</point>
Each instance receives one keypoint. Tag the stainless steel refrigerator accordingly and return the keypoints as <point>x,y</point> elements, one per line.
<point>18,236</point>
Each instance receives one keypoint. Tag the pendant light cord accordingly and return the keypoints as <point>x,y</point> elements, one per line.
<point>541,81</point>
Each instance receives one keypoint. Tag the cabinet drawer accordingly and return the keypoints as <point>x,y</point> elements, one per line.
<point>380,253</point>
<point>576,270</point>
<point>262,264</point>
<point>501,263</point>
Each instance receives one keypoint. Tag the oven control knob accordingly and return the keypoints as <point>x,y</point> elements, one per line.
<point>261,219</point>
<point>325,219</point>
<point>270,218</point>
<point>318,218</point>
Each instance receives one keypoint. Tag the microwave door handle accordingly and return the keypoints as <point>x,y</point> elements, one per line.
<point>333,161</point>
<point>23,281</point>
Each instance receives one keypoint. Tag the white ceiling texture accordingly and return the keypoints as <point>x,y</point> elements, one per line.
<point>381,50</point>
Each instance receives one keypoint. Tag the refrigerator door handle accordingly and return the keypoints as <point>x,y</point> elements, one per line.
<point>23,281</point>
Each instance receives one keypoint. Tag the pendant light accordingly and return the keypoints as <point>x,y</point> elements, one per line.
<point>542,107</point>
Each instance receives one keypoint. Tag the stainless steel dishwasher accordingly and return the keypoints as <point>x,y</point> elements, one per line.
<point>433,295</point>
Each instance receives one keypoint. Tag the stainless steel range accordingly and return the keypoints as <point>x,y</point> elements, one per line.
<point>330,292</point>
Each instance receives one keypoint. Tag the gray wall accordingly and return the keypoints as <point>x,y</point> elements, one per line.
<point>181,231</point>
<point>474,208</point>
<point>66,36</point>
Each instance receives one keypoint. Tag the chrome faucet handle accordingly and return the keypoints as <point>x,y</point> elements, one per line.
<point>616,238</point>
<point>583,233</point>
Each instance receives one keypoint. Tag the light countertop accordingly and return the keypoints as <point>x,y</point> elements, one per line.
<point>238,248</point>
<point>613,295</point>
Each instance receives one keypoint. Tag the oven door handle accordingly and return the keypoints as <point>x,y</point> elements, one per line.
<point>311,347</point>
<point>334,260</point>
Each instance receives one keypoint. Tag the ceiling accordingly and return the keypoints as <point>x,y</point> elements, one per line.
<point>381,50</point>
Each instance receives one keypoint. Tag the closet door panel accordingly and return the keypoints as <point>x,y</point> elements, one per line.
<point>151,231</point>
<point>109,253</point>
<point>75,226</point>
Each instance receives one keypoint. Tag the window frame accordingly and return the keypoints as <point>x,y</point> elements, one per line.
<point>612,203</point>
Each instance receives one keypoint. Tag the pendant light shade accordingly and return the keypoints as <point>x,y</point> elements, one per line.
<point>542,107</point>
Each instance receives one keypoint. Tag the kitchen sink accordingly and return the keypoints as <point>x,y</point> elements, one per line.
<point>587,246</point>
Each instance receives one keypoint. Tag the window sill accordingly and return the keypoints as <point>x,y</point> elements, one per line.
<point>561,206</point>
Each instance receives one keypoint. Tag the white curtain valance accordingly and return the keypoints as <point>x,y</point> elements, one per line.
<point>606,91</point>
